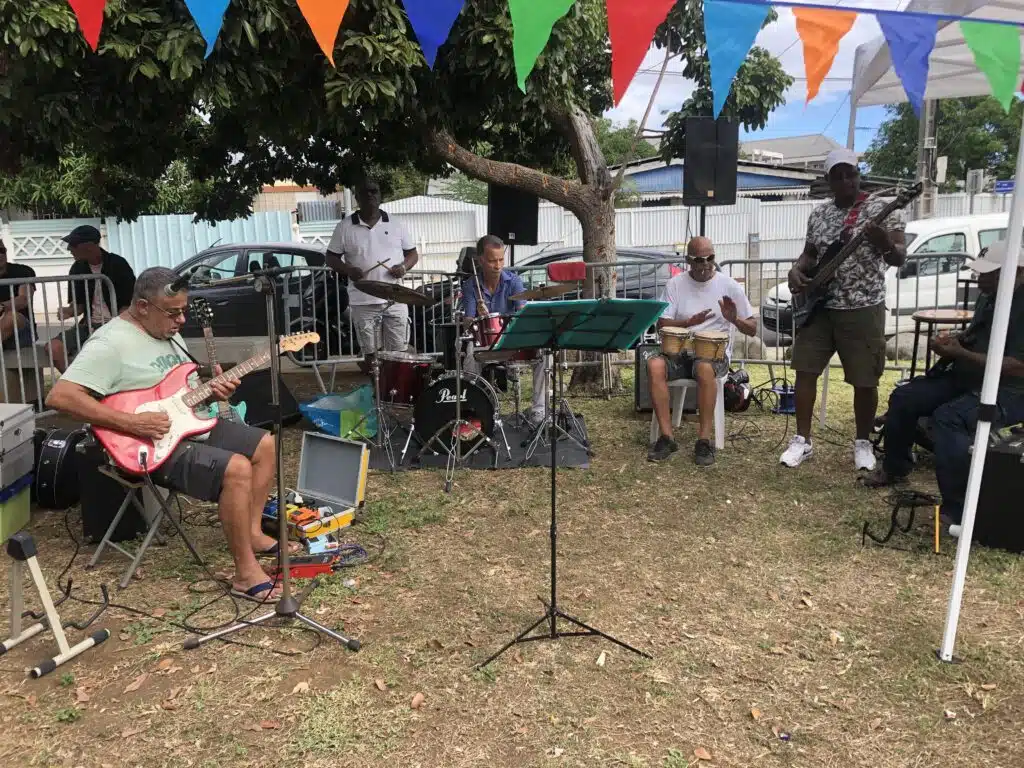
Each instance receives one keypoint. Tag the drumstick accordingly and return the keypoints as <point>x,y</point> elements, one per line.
<point>378,265</point>
<point>479,289</point>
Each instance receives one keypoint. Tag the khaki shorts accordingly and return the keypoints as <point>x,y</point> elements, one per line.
<point>858,335</point>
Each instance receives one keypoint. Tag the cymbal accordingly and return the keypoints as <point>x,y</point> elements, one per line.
<point>395,292</point>
<point>552,291</point>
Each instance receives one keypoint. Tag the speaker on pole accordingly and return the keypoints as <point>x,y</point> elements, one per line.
<point>710,161</point>
<point>512,215</point>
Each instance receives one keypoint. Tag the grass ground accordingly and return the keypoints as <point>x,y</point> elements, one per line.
<point>778,639</point>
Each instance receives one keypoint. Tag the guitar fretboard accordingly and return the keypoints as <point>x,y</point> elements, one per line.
<point>829,270</point>
<point>204,391</point>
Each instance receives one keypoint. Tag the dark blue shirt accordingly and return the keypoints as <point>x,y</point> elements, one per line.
<point>509,284</point>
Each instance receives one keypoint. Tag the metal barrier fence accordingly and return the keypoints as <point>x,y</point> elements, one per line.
<point>31,322</point>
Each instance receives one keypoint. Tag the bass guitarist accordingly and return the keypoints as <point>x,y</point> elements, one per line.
<point>233,465</point>
<point>852,320</point>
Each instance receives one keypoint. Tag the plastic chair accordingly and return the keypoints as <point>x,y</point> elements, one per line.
<point>677,396</point>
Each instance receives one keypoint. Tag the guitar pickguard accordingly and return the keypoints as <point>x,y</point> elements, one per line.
<point>183,420</point>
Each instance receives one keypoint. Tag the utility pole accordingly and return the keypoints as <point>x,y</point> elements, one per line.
<point>926,159</point>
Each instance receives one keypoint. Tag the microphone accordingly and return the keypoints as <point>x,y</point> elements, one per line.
<point>173,289</point>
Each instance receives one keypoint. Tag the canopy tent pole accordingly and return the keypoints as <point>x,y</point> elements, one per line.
<point>988,409</point>
<point>851,129</point>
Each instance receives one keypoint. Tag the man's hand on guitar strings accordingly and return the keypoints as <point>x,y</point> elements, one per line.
<point>878,237</point>
<point>797,280</point>
<point>153,425</point>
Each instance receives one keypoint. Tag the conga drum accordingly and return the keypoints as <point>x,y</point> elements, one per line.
<point>710,345</point>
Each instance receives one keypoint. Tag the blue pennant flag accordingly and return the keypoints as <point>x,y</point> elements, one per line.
<point>209,16</point>
<point>729,29</point>
<point>432,20</point>
<point>910,39</point>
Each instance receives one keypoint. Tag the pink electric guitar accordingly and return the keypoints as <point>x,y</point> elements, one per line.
<point>174,397</point>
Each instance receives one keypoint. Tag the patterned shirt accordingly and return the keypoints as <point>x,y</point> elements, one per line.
<point>860,281</point>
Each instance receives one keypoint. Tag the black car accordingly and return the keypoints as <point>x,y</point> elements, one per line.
<point>310,300</point>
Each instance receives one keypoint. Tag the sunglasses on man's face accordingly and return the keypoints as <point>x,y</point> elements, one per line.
<point>700,260</point>
<point>172,314</point>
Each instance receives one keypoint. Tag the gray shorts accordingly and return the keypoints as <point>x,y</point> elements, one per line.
<point>197,467</point>
<point>681,366</point>
<point>394,328</point>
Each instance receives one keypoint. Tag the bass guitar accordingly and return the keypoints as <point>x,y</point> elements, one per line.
<point>816,291</point>
<point>173,397</point>
<point>203,313</point>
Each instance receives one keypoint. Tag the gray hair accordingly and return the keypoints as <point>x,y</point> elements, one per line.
<point>152,282</point>
<point>488,241</point>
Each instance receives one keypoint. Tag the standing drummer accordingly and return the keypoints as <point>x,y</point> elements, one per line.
<point>700,299</point>
<point>498,286</point>
<point>371,245</point>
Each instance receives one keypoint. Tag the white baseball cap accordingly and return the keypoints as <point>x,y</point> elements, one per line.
<point>840,157</point>
<point>992,258</point>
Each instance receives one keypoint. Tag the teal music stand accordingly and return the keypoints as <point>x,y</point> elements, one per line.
<point>596,325</point>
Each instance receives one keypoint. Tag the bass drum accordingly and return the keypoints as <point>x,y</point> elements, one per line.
<point>55,485</point>
<point>436,406</point>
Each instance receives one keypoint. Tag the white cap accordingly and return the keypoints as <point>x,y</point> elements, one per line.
<point>992,258</point>
<point>840,157</point>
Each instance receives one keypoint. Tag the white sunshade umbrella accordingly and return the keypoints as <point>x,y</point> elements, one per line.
<point>953,74</point>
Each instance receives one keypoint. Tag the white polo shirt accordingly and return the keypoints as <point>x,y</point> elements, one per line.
<point>363,246</point>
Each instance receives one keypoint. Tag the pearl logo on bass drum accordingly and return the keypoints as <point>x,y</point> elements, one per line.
<point>446,396</point>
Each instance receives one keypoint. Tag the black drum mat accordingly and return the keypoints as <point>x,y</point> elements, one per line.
<point>519,435</point>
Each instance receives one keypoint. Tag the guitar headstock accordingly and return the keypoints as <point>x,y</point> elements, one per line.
<point>904,196</point>
<point>297,341</point>
<point>202,311</point>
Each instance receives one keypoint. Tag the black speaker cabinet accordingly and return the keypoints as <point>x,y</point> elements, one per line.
<point>102,496</point>
<point>254,391</point>
<point>642,392</point>
<point>712,152</point>
<point>999,520</point>
<point>512,215</point>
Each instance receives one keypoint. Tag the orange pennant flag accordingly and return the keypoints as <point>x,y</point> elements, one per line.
<point>820,31</point>
<point>324,18</point>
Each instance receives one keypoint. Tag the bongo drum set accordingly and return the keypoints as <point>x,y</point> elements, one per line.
<point>697,345</point>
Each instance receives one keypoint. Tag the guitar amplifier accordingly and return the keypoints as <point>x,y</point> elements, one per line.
<point>641,390</point>
<point>999,520</point>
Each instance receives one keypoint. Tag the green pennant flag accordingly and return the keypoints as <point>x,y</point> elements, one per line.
<point>532,21</point>
<point>996,49</point>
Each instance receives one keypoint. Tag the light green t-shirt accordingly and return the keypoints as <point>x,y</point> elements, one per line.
<point>121,356</point>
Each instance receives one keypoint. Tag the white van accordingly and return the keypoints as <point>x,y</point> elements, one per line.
<point>923,282</point>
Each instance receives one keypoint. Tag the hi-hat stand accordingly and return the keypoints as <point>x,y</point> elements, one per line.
<point>596,325</point>
<point>382,438</point>
<point>287,607</point>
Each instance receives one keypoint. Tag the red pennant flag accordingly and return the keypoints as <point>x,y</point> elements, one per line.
<point>631,26</point>
<point>90,19</point>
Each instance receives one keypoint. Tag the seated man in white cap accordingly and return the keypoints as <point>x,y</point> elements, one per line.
<point>949,392</point>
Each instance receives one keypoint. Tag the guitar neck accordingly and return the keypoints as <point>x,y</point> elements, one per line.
<point>223,407</point>
<point>204,391</point>
<point>829,269</point>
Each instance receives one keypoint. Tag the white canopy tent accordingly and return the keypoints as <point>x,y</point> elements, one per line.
<point>952,74</point>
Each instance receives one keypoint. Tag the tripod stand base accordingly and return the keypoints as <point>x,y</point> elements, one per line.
<point>551,617</point>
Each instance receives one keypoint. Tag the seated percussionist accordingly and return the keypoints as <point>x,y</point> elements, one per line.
<point>232,465</point>
<point>700,299</point>
<point>499,285</point>
<point>950,392</point>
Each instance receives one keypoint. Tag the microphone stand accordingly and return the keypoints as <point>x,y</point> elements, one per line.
<point>288,606</point>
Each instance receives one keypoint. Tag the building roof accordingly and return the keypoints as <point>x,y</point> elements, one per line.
<point>795,149</point>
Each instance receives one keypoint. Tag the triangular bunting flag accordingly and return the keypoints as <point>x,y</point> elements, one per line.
<point>90,19</point>
<point>820,31</point>
<point>209,17</point>
<point>996,49</point>
<point>910,39</point>
<point>729,31</point>
<point>631,27</point>
<point>324,18</point>
<point>532,21</point>
<point>432,20</point>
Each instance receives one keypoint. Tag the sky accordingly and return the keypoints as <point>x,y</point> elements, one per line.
<point>828,113</point>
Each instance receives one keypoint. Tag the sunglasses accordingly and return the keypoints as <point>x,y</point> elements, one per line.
<point>701,259</point>
<point>172,314</point>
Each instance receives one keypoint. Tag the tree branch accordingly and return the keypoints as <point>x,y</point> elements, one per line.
<point>590,162</point>
<point>563,192</point>
<point>640,128</point>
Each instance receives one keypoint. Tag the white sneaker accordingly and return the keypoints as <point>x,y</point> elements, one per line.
<point>864,455</point>
<point>798,450</point>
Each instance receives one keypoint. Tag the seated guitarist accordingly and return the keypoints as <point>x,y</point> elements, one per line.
<point>233,464</point>
<point>852,320</point>
<point>949,392</point>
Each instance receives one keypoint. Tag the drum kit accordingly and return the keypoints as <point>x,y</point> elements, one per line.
<point>453,412</point>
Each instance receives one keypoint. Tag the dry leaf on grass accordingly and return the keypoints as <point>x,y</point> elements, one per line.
<point>949,714</point>
<point>255,727</point>
<point>702,754</point>
<point>135,684</point>
<point>127,733</point>
<point>601,659</point>
<point>81,696</point>
<point>755,713</point>
<point>834,638</point>
<point>417,700</point>
<point>806,602</point>
<point>171,702</point>
<point>124,636</point>
<point>988,686</point>
<point>876,724</point>
<point>381,685</point>
<point>777,650</point>
<point>269,725</point>
<point>159,613</point>
<point>301,687</point>
<point>165,664</point>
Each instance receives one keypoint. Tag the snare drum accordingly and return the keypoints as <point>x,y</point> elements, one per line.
<point>487,329</point>
<point>403,376</point>
<point>675,341</point>
<point>710,345</point>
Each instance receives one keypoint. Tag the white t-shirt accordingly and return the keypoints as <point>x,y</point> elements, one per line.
<point>686,297</point>
<point>363,247</point>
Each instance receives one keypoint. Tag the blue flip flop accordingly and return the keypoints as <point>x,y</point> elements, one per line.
<point>253,593</point>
